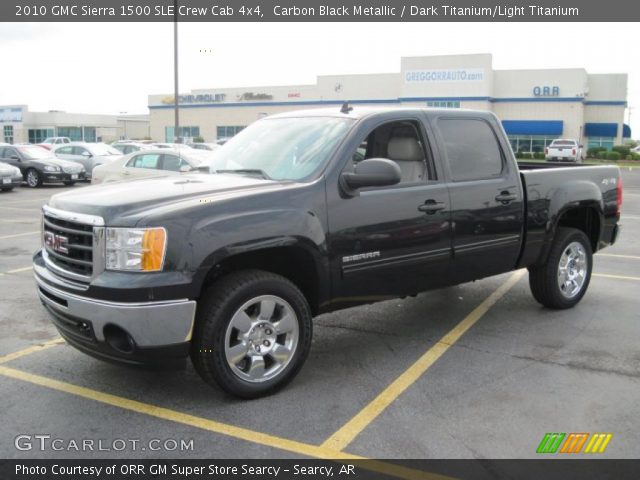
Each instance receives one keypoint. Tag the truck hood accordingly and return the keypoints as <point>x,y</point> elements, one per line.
<point>116,202</point>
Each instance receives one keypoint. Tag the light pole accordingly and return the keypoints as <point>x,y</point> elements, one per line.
<point>176,123</point>
<point>124,120</point>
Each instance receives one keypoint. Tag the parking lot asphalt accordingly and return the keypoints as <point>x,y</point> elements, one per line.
<point>479,370</point>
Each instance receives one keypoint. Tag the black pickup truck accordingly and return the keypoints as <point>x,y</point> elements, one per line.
<point>304,213</point>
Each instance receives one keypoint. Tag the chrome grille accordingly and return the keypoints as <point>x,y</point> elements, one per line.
<point>68,244</point>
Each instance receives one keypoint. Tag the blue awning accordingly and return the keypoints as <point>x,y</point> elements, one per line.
<point>600,129</point>
<point>533,127</point>
<point>626,131</point>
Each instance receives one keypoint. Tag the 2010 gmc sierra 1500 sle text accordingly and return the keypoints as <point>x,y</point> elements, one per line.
<point>304,213</point>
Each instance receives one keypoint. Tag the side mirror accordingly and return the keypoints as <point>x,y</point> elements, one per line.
<point>373,172</point>
<point>185,169</point>
<point>580,146</point>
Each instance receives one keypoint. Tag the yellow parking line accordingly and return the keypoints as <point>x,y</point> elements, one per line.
<point>30,350</point>
<point>619,277</point>
<point>23,209</point>
<point>15,270</point>
<point>19,234</point>
<point>632,257</point>
<point>216,427</point>
<point>348,432</point>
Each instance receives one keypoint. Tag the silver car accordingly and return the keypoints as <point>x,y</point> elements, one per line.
<point>88,154</point>
<point>10,177</point>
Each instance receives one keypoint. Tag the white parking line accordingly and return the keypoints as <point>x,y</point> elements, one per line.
<point>632,257</point>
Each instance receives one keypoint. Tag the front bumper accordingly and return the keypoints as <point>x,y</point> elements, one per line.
<point>125,332</point>
<point>52,177</point>
<point>10,182</point>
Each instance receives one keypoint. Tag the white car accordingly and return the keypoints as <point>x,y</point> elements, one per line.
<point>150,163</point>
<point>88,155</point>
<point>50,142</point>
<point>564,149</point>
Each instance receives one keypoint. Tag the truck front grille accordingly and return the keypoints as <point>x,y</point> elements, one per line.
<point>69,244</point>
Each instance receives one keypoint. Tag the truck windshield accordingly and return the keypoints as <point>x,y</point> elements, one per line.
<point>282,148</point>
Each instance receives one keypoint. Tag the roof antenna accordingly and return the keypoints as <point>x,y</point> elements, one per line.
<point>346,108</point>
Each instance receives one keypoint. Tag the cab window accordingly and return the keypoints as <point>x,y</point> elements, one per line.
<point>402,142</point>
<point>471,148</point>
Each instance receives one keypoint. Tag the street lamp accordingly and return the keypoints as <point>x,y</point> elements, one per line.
<point>176,123</point>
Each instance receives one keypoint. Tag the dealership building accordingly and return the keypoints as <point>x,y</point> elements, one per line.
<point>535,106</point>
<point>19,125</point>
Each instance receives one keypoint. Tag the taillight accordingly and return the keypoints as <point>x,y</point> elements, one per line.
<point>546,150</point>
<point>574,151</point>
<point>619,196</point>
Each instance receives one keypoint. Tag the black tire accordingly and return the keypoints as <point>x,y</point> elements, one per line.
<point>33,178</point>
<point>7,189</point>
<point>216,308</point>
<point>69,183</point>
<point>543,279</point>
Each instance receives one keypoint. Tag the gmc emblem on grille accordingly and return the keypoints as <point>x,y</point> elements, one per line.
<point>55,242</point>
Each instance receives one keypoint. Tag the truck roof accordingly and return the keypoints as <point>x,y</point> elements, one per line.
<point>358,112</point>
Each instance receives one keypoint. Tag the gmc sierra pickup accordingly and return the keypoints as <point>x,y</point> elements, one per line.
<point>304,213</point>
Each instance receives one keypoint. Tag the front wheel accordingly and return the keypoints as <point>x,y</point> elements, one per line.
<point>253,333</point>
<point>563,280</point>
<point>34,179</point>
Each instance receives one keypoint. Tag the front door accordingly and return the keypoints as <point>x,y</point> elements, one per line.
<point>391,241</point>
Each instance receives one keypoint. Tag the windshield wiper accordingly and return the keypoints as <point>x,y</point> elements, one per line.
<point>248,171</point>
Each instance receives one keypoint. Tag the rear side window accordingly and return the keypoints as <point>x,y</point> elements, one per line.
<point>65,150</point>
<point>471,149</point>
<point>150,160</point>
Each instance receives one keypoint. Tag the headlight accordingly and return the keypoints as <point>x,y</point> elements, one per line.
<point>51,168</point>
<point>136,249</point>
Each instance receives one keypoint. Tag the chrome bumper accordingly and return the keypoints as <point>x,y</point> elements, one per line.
<point>150,324</point>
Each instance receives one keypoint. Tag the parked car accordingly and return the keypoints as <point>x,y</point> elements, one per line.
<point>10,176</point>
<point>175,146</point>
<point>205,146</point>
<point>230,268</point>
<point>149,163</point>
<point>127,147</point>
<point>562,149</point>
<point>636,149</point>
<point>89,155</point>
<point>40,166</point>
<point>50,142</point>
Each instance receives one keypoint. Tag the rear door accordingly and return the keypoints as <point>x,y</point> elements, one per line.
<point>486,197</point>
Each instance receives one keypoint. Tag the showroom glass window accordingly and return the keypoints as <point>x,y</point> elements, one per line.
<point>74,133</point>
<point>606,142</point>
<point>38,135</point>
<point>227,131</point>
<point>472,149</point>
<point>530,143</point>
<point>183,132</point>
<point>8,134</point>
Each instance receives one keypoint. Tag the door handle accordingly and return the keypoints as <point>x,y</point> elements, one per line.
<point>431,206</point>
<point>506,197</point>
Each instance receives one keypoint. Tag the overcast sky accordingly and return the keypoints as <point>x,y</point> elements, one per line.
<point>112,67</point>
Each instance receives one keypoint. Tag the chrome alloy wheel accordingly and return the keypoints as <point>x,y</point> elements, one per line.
<point>572,270</point>
<point>261,338</point>
<point>32,178</point>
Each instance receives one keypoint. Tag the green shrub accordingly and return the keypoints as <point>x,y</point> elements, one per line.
<point>635,156</point>
<point>539,155</point>
<point>198,139</point>
<point>602,155</point>
<point>623,150</point>
<point>525,156</point>
<point>613,156</point>
<point>593,151</point>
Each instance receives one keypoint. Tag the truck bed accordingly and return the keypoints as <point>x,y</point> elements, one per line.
<point>551,188</point>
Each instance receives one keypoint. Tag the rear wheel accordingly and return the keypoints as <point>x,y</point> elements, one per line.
<point>563,280</point>
<point>34,179</point>
<point>253,333</point>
